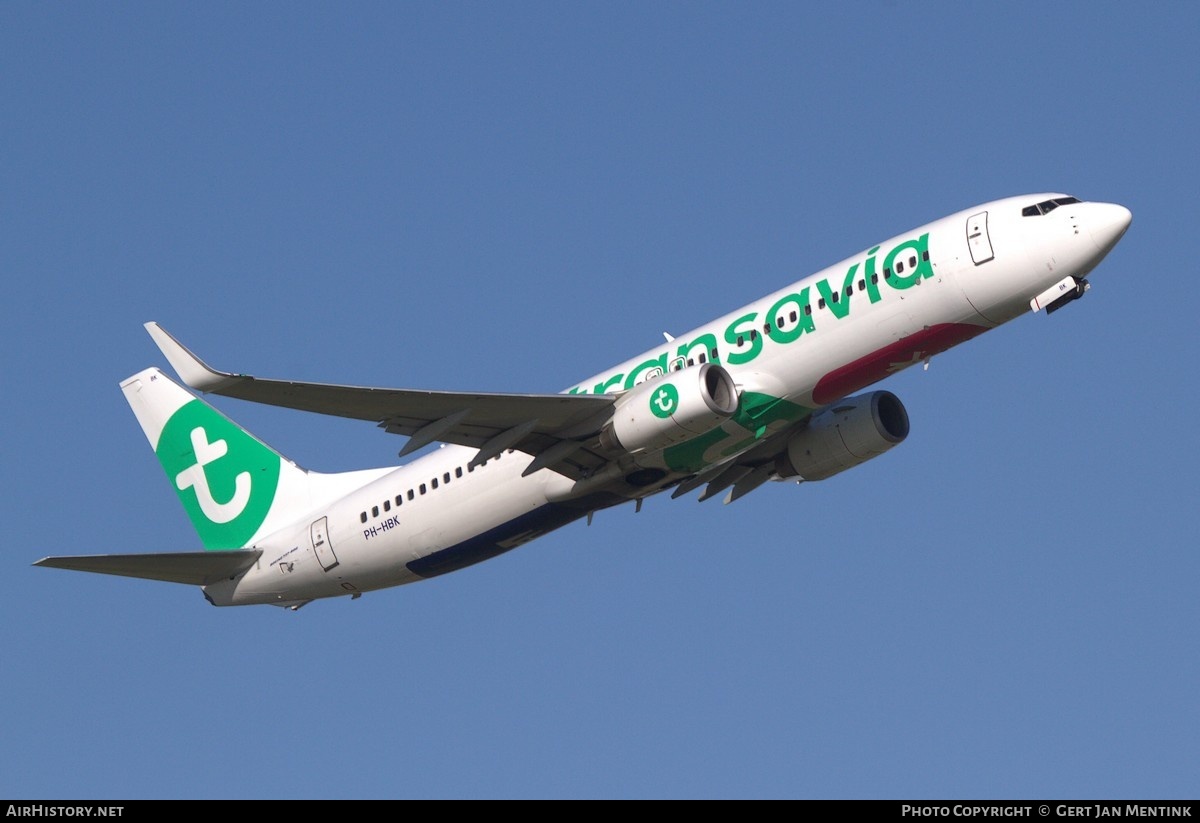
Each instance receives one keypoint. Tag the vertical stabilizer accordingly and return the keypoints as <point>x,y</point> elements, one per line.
<point>233,486</point>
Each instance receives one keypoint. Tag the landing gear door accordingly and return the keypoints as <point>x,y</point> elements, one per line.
<point>978,239</point>
<point>321,545</point>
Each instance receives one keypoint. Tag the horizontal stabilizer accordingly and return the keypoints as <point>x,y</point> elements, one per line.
<point>193,568</point>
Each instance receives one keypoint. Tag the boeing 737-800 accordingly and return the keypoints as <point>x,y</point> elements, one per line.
<point>767,392</point>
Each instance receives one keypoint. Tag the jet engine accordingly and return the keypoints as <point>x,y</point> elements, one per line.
<point>670,409</point>
<point>845,435</point>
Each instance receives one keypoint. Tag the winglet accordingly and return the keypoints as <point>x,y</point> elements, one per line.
<point>190,368</point>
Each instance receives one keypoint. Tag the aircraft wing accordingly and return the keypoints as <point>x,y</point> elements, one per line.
<point>742,473</point>
<point>560,427</point>
<point>194,568</point>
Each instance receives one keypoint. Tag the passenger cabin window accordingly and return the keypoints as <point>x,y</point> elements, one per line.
<point>649,374</point>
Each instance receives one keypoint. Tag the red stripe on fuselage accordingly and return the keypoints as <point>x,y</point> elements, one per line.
<point>892,358</point>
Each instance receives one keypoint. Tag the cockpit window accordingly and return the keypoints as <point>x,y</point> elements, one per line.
<point>1047,206</point>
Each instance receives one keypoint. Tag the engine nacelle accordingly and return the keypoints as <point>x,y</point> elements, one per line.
<point>670,409</point>
<point>845,435</point>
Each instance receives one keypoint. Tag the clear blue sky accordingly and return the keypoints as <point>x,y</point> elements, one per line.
<point>511,197</point>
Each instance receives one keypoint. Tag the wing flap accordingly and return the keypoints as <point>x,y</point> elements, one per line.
<point>193,568</point>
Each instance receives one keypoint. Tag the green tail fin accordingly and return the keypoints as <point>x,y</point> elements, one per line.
<point>228,481</point>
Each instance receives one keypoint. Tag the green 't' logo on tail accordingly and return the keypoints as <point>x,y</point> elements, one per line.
<point>225,478</point>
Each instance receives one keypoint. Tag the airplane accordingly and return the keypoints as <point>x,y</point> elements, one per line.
<point>768,392</point>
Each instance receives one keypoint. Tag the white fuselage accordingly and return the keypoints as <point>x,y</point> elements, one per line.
<point>809,344</point>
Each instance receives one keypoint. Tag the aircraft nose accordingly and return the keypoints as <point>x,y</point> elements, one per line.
<point>1109,224</point>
